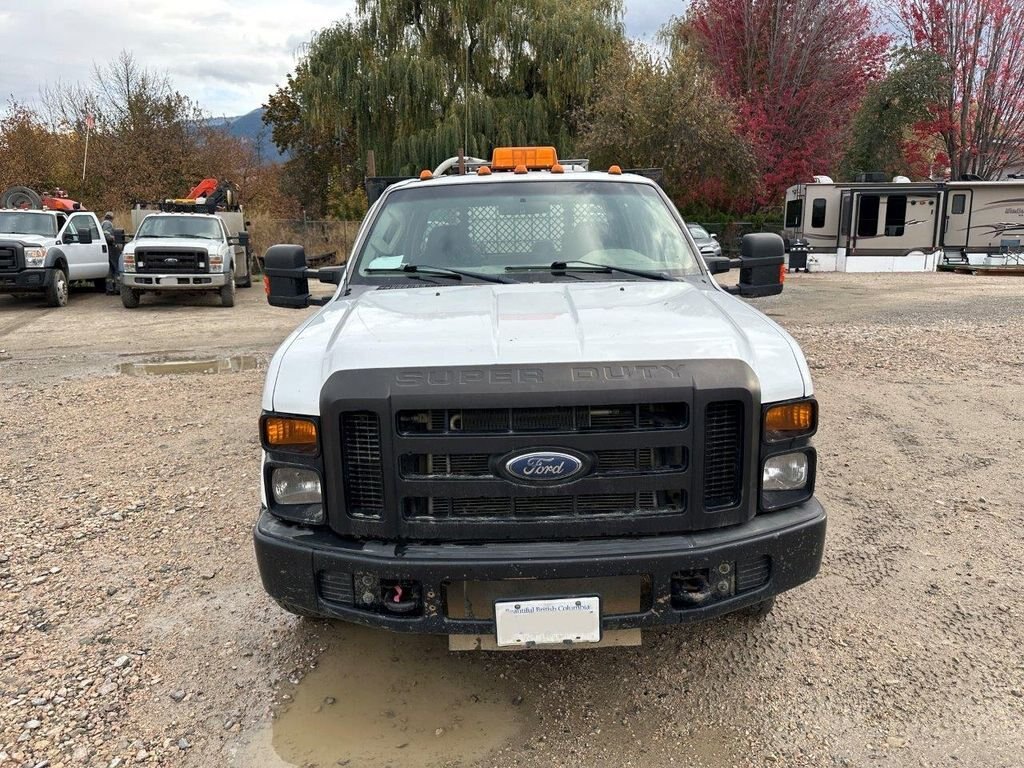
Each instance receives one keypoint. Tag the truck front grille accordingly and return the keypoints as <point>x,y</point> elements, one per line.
<point>423,454</point>
<point>606,462</point>
<point>8,258</point>
<point>723,454</point>
<point>562,506</point>
<point>362,463</point>
<point>582,418</point>
<point>169,262</point>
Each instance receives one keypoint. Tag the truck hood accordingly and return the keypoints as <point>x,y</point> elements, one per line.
<point>173,242</point>
<point>480,325</point>
<point>27,239</point>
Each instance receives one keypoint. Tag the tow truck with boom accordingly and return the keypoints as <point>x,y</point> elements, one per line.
<point>192,244</point>
<point>47,242</point>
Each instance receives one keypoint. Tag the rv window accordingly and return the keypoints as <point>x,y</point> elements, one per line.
<point>867,216</point>
<point>818,212</point>
<point>959,203</point>
<point>895,215</point>
<point>844,216</point>
<point>793,210</point>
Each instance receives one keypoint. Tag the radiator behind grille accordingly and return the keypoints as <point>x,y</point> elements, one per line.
<point>723,454</point>
<point>362,464</point>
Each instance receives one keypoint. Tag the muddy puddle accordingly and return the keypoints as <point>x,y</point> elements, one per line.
<point>380,699</point>
<point>232,364</point>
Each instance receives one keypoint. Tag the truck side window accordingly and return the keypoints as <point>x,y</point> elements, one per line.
<point>867,216</point>
<point>793,210</point>
<point>895,215</point>
<point>818,212</point>
<point>959,203</point>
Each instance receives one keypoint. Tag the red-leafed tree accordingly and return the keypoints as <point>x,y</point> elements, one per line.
<point>980,115</point>
<point>798,70</point>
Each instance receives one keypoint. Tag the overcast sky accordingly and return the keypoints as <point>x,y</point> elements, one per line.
<point>227,54</point>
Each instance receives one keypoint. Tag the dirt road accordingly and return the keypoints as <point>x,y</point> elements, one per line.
<point>133,629</point>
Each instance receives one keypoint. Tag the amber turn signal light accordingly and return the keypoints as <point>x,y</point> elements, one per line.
<point>287,434</point>
<point>784,422</point>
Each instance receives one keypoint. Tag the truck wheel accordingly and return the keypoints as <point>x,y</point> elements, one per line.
<point>294,610</point>
<point>759,611</point>
<point>57,292</point>
<point>227,292</point>
<point>129,297</point>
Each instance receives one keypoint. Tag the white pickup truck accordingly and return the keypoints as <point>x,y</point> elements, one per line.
<point>530,416</point>
<point>185,252</point>
<point>44,251</point>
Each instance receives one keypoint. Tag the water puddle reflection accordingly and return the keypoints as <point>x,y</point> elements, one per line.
<point>232,364</point>
<point>380,699</point>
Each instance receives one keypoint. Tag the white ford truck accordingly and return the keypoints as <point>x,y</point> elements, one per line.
<point>529,416</point>
<point>187,252</point>
<point>43,251</point>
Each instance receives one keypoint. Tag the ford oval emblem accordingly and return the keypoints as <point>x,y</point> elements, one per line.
<point>544,466</point>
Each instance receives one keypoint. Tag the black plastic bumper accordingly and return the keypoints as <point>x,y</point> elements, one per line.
<point>26,280</point>
<point>293,560</point>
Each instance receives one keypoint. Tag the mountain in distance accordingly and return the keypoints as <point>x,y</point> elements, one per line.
<point>249,127</point>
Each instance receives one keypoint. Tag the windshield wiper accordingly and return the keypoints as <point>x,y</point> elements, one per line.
<point>587,266</point>
<point>428,269</point>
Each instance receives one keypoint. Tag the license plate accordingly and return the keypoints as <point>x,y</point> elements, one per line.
<point>562,621</point>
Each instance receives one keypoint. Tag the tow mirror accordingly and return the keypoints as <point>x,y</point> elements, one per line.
<point>285,270</point>
<point>286,277</point>
<point>85,237</point>
<point>717,264</point>
<point>119,238</point>
<point>242,239</point>
<point>762,265</point>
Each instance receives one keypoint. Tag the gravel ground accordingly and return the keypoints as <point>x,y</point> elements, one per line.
<point>133,629</point>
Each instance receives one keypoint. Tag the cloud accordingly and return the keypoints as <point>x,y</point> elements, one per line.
<point>228,57</point>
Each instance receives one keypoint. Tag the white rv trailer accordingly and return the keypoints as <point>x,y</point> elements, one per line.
<point>904,226</point>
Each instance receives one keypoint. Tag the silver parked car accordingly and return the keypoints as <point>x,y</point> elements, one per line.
<point>706,242</point>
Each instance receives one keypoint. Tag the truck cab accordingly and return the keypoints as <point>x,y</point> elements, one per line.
<point>529,416</point>
<point>183,252</point>
<point>43,251</point>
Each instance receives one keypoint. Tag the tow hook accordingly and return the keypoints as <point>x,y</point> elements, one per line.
<point>399,599</point>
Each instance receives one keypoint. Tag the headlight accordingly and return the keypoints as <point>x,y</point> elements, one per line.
<point>787,479</point>
<point>216,263</point>
<point>129,261</point>
<point>292,485</point>
<point>35,257</point>
<point>788,472</point>
<point>296,495</point>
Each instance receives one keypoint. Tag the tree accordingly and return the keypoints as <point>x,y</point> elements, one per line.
<point>894,129</point>
<point>316,162</point>
<point>798,70</point>
<point>149,141</point>
<point>980,114</point>
<point>415,80</point>
<point>30,154</point>
<point>664,113</point>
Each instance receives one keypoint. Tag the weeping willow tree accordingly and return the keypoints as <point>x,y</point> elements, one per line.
<point>414,80</point>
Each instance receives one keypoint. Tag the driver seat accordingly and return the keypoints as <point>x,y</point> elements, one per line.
<point>447,245</point>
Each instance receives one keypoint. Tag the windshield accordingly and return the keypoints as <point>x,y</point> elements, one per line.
<point>180,226</point>
<point>698,232</point>
<point>489,227</point>
<point>25,223</point>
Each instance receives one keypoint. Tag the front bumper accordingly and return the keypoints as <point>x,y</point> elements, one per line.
<point>156,282</point>
<point>293,562</point>
<point>26,280</point>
